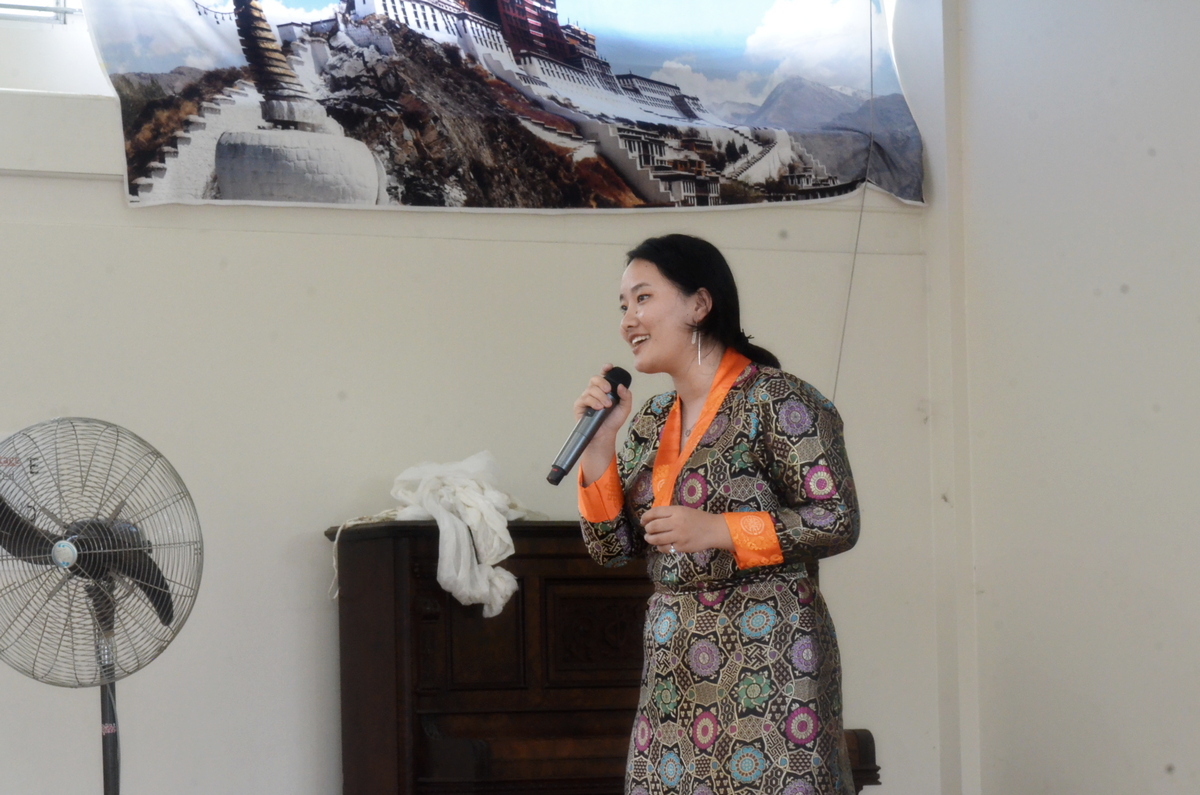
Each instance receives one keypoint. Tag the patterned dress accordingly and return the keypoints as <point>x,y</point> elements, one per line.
<point>741,689</point>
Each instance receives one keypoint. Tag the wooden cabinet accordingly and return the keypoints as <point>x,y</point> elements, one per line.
<point>540,699</point>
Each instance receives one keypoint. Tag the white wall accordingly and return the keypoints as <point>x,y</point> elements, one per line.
<point>926,46</point>
<point>291,361</point>
<point>1083,299</point>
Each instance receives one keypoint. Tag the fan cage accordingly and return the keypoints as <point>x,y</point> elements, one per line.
<point>126,512</point>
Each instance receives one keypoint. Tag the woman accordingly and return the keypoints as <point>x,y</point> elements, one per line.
<point>726,485</point>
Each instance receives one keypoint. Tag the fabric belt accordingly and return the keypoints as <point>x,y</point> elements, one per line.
<point>794,571</point>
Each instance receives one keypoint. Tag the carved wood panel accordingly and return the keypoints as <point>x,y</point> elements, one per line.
<point>594,631</point>
<point>487,652</point>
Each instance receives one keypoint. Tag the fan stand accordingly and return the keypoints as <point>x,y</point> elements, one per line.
<point>110,740</point>
<point>107,510</point>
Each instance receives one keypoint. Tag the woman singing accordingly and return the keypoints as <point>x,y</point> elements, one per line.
<point>726,485</point>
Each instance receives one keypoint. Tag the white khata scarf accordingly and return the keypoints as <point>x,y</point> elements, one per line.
<point>472,517</point>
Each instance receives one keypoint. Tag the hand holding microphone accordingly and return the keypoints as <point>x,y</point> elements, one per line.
<point>600,411</point>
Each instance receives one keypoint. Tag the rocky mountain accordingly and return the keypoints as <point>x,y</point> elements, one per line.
<point>171,82</point>
<point>890,113</point>
<point>800,104</point>
<point>139,89</point>
<point>896,161</point>
<point>449,134</point>
<point>857,93</point>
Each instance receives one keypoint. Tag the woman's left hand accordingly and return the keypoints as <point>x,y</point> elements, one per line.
<point>680,529</point>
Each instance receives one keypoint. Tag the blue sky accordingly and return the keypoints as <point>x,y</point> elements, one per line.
<point>704,32</point>
<point>722,50</point>
<point>700,24</point>
<point>307,5</point>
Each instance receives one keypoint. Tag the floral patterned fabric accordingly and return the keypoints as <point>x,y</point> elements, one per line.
<point>741,689</point>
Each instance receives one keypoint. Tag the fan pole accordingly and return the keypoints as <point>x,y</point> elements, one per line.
<point>110,740</point>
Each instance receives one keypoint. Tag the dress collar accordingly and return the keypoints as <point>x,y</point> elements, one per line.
<point>669,461</point>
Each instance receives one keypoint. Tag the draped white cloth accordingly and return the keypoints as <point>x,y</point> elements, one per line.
<point>472,517</point>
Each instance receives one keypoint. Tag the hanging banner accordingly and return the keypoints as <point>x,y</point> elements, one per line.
<point>586,104</point>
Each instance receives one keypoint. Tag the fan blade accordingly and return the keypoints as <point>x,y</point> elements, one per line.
<point>22,538</point>
<point>137,565</point>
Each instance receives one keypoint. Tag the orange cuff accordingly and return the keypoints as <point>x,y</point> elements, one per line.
<point>755,542</point>
<point>603,500</point>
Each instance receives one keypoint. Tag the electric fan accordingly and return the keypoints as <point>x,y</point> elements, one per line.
<point>100,559</point>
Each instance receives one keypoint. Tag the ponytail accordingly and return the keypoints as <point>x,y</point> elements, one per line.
<point>755,353</point>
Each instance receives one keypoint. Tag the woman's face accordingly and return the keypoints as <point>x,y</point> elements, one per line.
<point>657,319</point>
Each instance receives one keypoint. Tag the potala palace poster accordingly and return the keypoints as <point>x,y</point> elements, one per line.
<point>575,104</point>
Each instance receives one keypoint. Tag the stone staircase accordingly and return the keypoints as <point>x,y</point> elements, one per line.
<point>581,148</point>
<point>640,178</point>
<point>745,165</point>
<point>819,171</point>
<point>574,137</point>
<point>307,59</point>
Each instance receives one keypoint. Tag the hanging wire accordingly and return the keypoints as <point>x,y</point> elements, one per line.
<point>863,205</point>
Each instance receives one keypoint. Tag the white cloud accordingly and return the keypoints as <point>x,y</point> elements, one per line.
<point>279,13</point>
<point>821,40</point>
<point>200,60</point>
<point>827,41</point>
<point>158,35</point>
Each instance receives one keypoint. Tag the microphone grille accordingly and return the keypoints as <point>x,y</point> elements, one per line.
<point>619,376</point>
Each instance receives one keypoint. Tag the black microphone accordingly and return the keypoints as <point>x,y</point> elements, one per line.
<point>586,429</point>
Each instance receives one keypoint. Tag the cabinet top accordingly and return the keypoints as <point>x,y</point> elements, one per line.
<point>554,528</point>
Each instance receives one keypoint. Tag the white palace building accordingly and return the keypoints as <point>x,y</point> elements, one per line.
<point>588,82</point>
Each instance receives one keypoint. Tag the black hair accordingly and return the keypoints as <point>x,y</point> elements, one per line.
<point>691,264</point>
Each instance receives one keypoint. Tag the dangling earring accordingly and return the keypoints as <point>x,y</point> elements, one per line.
<point>696,340</point>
